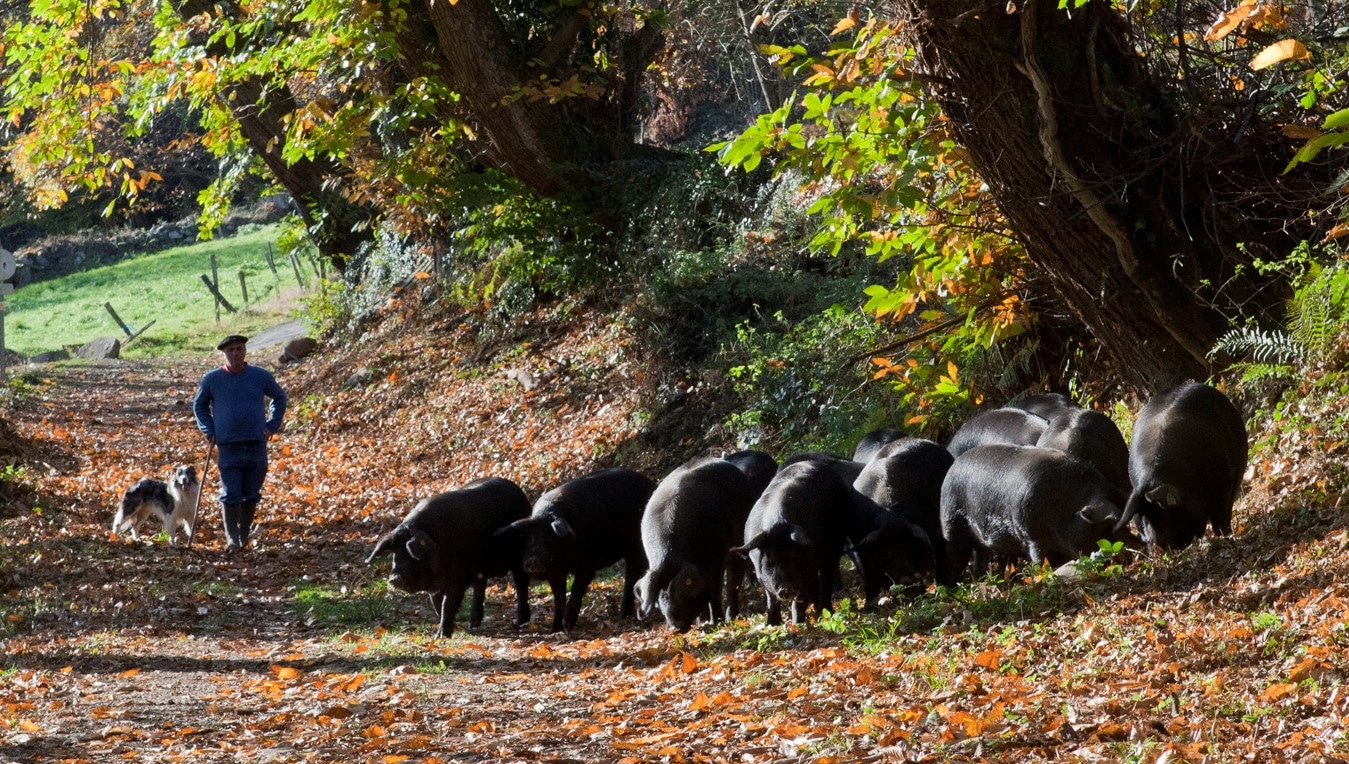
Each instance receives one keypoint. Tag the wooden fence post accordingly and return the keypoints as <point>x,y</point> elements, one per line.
<point>243,286</point>
<point>215,279</point>
<point>219,298</point>
<point>271,263</point>
<point>125,329</point>
<point>295,265</point>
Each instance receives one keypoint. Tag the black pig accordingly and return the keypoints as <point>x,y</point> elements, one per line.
<point>447,543</point>
<point>1186,462</point>
<point>844,467</point>
<point>795,535</point>
<point>887,548</point>
<point>799,528</point>
<point>1024,502</point>
<point>905,477</point>
<point>578,528</point>
<point>873,442</point>
<point>1045,405</point>
<point>1094,438</point>
<point>758,467</point>
<point>691,522</point>
<point>1006,425</point>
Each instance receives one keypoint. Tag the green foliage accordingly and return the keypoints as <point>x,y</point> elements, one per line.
<point>793,378</point>
<point>167,290</point>
<point>879,170</point>
<point>1104,562</point>
<point>858,629</point>
<point>1315,318</point>
<point>386,264</point>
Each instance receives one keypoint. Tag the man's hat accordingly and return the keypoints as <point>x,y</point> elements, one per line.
<point>230,340</point>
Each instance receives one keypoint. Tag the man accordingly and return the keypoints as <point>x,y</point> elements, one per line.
<point>232,412</point>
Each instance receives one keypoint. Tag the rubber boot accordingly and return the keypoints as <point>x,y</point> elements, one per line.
<point>230,515</point>
<point>246,512</point>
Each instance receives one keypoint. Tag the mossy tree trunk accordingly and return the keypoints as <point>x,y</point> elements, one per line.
<point>1142,229</point>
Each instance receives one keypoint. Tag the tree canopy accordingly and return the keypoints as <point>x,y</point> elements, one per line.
<point>1137,174</point>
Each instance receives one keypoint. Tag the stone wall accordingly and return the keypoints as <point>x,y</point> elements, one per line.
<point>58,256</point>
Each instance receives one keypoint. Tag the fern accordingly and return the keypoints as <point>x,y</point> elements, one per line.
<point>1262,346</point>
<point>1318,308</point>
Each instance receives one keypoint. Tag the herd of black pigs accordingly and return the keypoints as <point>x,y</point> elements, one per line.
<point>1041,480</point>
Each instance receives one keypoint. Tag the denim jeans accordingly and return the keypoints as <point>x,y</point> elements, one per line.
<point>243,467</point>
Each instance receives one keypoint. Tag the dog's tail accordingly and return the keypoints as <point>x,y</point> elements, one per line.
<point>124,512</point>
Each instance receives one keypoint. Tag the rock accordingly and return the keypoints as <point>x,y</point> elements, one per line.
<point>359,378</point>
<point>297,349</point>
<point>50,356</point>
<point>523,377</point>
<point>99,349</point>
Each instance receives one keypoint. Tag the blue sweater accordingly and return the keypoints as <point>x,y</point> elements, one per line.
<point>230,407</point>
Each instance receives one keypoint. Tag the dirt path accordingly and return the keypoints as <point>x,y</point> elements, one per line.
<point>124,651</point>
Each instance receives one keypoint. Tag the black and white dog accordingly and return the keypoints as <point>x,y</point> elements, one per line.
<point>174,503</point>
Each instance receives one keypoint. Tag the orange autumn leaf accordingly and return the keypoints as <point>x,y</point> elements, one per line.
<point>1283,50</point>
<point>688,663</point>
<point>1278,691</point>
<point>287,672</point>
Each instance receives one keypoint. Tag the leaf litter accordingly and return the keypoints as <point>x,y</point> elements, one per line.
<point>1230,650</point>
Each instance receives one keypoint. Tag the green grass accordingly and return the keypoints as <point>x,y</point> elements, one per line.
<point>330,607</point>
<point>164,287</point>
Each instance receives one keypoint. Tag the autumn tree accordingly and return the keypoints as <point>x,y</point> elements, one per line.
<point>1139,156</point>
<point>416,112</point>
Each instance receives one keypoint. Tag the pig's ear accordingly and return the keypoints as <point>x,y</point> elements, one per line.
<point>514,527</point>
<point>420,546</point>
<point>800,537</point>
<point>689,577</point>
<point>754,543</point>
<point>867,540</point>
<point>562,528</point>
<point>1165,495</point>
<point>384,546</point>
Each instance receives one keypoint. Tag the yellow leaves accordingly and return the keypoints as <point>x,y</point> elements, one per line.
<point>884,367</point>
<point>1283,50</point>
<point>1248,15</point>
<point>1252,15</point>
<point>1228,21</point>
<point>847,22</point>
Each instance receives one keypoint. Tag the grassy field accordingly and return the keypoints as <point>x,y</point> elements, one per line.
<point>164,287</point>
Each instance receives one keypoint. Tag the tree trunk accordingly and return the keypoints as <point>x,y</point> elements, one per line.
<point>1083,153</point>
<point>524,138</point>
<point>551,144</point>
<point>334,223</point>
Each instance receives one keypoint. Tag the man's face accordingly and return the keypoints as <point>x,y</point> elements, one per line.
<point>234,354</point>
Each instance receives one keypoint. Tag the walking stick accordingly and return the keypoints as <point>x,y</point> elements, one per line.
<point>210,449</point>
